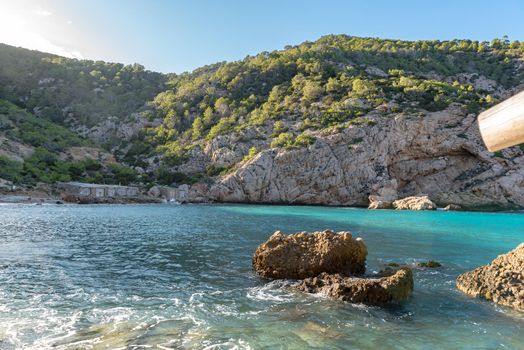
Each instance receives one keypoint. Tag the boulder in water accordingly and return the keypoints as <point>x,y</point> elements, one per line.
<point>301,255</point>
<point>501,281</point>
<point>397,285</point>
<point>414,203</point>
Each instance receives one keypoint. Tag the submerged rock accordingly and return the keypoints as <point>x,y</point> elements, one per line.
<point>396,286</point>
<point>414,203</point>
<point>430,264</point>
<point>301,255</point>
<point>501,281</point>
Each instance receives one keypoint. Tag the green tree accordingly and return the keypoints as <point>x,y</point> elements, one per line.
<point>363,88</point>
<point>252,152</point>
<point>208,117</point>
<point>312,91</point>
<point>197,128</point>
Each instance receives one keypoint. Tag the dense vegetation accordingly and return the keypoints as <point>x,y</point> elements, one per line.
<point>44,166</point>
<point>287,96</point>
<point>74,91</point>
<point>331,82</point>
<point>47,142</point>
<point>24,127</point>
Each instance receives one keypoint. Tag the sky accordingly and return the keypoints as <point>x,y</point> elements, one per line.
<point>173,36</point>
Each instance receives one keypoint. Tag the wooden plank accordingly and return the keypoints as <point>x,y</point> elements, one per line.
<point>502,126</point>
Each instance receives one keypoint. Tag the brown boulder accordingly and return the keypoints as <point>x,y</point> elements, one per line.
<point>501,281</point>
<point>301,255</point>
<point>414,203</point>
<point>396,286</point>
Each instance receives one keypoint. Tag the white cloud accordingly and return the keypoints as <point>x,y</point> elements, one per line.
<point>69,22</point>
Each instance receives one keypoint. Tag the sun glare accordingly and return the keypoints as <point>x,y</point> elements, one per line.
<point>26,25</point>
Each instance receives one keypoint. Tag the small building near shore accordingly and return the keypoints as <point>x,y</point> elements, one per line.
<point>89,190</point>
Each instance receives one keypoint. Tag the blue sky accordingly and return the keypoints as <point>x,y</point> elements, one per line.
<point>176,36</point>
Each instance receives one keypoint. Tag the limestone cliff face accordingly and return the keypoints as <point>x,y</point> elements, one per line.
<point>439,154</point>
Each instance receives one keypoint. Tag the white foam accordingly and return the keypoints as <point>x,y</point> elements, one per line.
<point>272,291</point>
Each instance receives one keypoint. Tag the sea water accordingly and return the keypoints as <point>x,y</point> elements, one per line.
<point>180,277</point>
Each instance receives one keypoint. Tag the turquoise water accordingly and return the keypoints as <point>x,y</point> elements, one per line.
<point>179,277</point>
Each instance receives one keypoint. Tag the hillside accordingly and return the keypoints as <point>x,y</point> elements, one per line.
<point>333,121</point>
<point>94,99</point>
<point>343,121</point>
<point>331,83</point>
<point>35,150</point>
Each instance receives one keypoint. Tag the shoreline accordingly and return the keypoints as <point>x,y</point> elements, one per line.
<point>28,199</point>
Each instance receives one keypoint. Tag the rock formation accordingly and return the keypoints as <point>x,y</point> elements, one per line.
<point>327,263</point>
<point>439,154</point>
<point>374,290</point>
<point>303,255</point>
<point>452,207</point>
<point>501,281</point>
<point>429,264</point>
<point>384,195</point>
<point>414,203</point>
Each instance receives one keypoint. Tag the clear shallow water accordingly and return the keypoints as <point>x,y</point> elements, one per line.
<point>179,277</point>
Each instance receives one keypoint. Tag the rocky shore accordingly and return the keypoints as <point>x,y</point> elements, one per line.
<point>24,199</point>
<point>501,281</point>
<point>51,194</point>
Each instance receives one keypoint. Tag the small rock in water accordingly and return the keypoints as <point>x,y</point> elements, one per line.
<point>393,264</point>
<point>301,255</point>
<point>501,281</point>
<point>397,286</point>
<point>430,264</point>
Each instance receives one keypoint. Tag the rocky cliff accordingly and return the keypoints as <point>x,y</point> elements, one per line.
<point>439,154</point>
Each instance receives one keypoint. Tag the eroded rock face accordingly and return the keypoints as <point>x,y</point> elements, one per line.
<point>501,281</point>
<point>414,203</point>
<point>384,195</point>
<point>439,154</point>
<point>452,207</point>
<point>301,255</point>
<point>373,290</point>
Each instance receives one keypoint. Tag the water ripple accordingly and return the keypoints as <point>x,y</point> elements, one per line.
<point>179,277</point>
